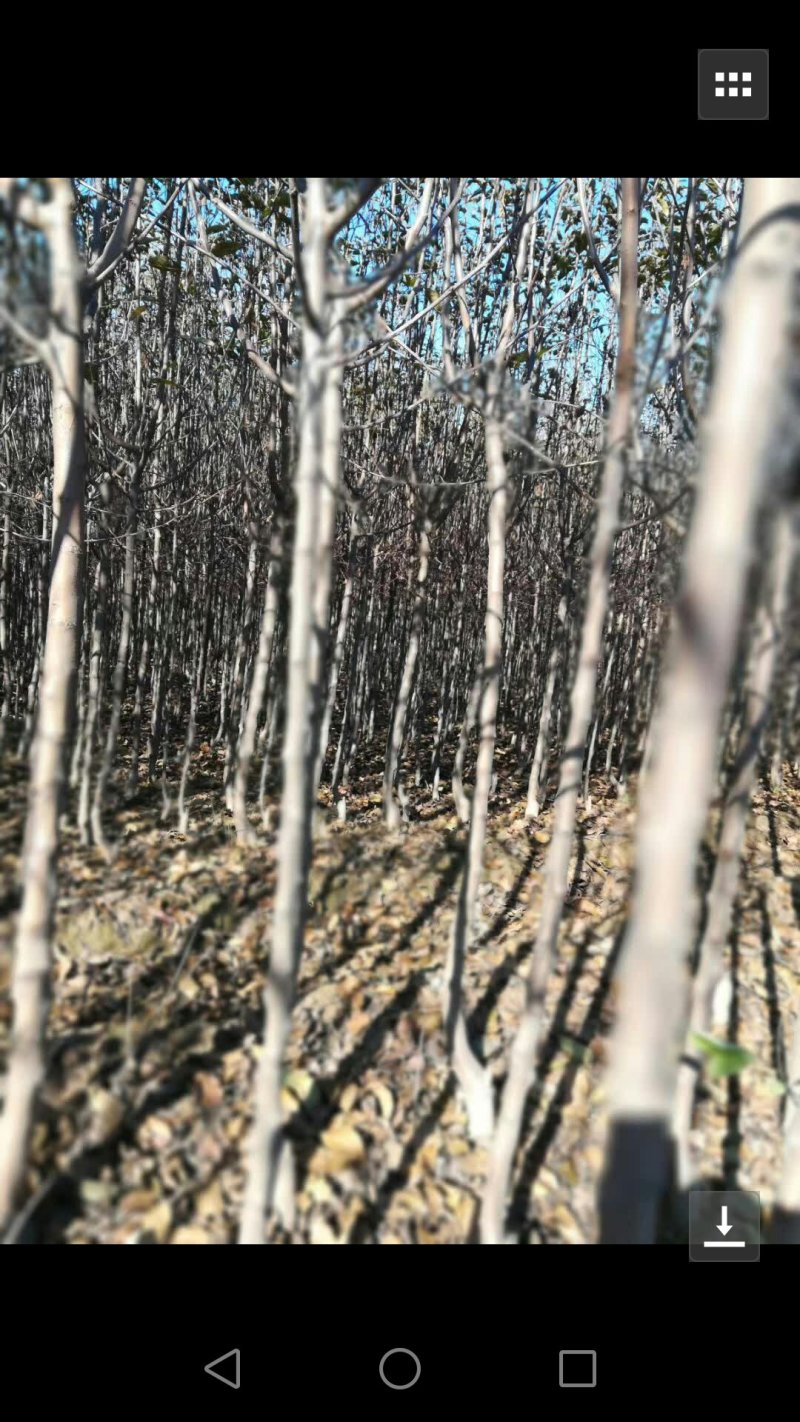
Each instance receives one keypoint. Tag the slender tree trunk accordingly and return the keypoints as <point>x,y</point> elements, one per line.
<point>270,1173</point>
<point>350,718</point>
<point>472,1076</point>
<point>120,666</point>
<point>722,893</point>
<point>238,675</point>
<point>5,645</point>
<point>92,710</point>
<point>460,796</point>
<point>41,608</point>
<point>244,829</point>
<point>540,753</point>
<point>162,663</point>
<point>391,808</point>
<point>191,736</point>
<point>524,1052</point>
<point>598,718</point>
<point>326,538</point>
<point>31,973</point>
<point>449,675</point>
<point>338,654</point>
<point>786,1215</point>
<point>144,657</point>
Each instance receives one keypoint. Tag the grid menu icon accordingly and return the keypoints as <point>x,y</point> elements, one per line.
<point>733,83</point>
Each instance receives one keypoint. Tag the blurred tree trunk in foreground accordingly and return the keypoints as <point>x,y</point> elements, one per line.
<point>751,435</point>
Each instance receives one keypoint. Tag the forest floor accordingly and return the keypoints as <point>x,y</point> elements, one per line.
<point>156,1017</point>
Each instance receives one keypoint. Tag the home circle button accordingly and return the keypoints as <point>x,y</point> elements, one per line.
<point>400,1368</point>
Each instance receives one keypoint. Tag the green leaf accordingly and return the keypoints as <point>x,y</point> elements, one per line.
<point>722,1058</point>
<point>579,1051</point>
<point>227,247</point>
<point>773,1086</point>
<point>163,264</point>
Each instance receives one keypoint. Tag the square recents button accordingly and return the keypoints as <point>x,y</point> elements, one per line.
<point>733,83</point>
<point>724,1226</point>
<point>577,1367</point>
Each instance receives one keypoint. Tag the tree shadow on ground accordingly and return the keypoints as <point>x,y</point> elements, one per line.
<point>772,822</point>
<point>732,1140</point>
<point>160,975</point>
<point>502,974</point>
<point>532,860</point>
<point>369,1221</point>
<point>535,1155</point>
<point>196,1034</point>
<point>352,1065</point>
<point>776,1032</point>
<point>451,857</point>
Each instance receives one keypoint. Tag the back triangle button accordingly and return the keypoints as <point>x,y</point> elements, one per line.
<point>229,1373</point>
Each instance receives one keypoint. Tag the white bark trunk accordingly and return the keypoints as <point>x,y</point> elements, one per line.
<point>746,432</point>
<point>31,974</point>
<point>472,1076</point>
<point>524,1052</point>
<point>540,753</point>
<point>722,893</point>
<point>391,808</point>
<point>270,1172</point>
<point>244,830</point>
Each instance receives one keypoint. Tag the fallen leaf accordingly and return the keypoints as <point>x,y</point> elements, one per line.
<point>209,1090</point>
<point>107,1113</point>
<point>321,1232</point>
<point>96,1192</point>
<point>158,1220</point>
<point>154,1134</point>
<point>137,1200</point>
<point>384,1099</point>
<point>341,1146</point>
<point>191,1234</point>
<point>210,1201</point>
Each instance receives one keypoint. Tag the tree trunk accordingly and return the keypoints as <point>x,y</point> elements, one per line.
<point>524,1052</point>
<point>747,433</point>
<point>786,1216</point>
<point>540,753</point>
<point>722,893</point>
<point>391,808</point>
<point>31,974</point>
<point>472,1076</point>
<point>338,655</point>
<point>92,710</point>
<point>244,829</point>
<point>5,642</point>
<point>120,666</point>
<point>270,1171</point>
